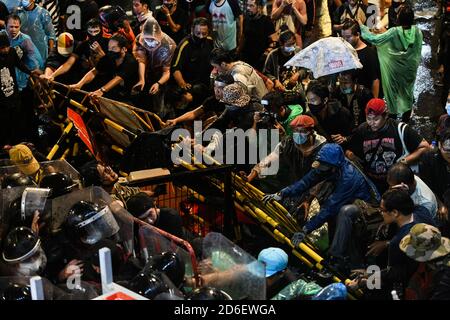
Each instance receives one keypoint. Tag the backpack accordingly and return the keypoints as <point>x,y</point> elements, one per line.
<point>420,284</point>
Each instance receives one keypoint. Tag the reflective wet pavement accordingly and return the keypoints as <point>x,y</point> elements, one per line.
<point>427,94</point>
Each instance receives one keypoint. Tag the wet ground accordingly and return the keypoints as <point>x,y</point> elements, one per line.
<point>427,93</point>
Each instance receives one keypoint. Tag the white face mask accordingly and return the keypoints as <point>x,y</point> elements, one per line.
<point>151,44</point>
<point>447,108</point>
<point>34,267</point>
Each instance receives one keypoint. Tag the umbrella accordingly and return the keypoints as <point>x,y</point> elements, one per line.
<point>327,56</point>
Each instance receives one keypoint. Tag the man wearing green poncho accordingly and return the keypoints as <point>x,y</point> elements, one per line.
<point>399,53</point>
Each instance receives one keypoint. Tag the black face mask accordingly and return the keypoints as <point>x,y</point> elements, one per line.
<point>92,38</point>
<point>114,55</point>
<point>316,108</point>
<point>198,40</point>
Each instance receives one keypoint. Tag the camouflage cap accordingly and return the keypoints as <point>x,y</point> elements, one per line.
<point>424,243</point>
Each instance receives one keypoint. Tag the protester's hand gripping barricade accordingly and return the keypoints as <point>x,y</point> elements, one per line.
<point>246,199</point>
<point>102,124</point>
<point>273,218</point>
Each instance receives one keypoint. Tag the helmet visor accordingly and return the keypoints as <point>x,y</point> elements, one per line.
<point>99,226</point>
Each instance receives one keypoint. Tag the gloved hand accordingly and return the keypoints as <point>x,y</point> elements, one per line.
<point>273,196</point>
<point>298,238</point>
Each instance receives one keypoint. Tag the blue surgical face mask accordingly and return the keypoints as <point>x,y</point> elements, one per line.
<point>347,90</point>
<point>289,49</point>
<point>447,107</point>
<point>25,3</point>
<point>300,137</point>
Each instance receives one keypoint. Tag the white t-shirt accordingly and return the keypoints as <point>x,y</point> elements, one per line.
<point>423,196</point>
<point>224,25</point>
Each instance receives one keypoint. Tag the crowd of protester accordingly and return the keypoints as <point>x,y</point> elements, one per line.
<point>345,139</point>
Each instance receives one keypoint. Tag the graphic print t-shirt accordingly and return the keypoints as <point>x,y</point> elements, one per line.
<point>364,144</point>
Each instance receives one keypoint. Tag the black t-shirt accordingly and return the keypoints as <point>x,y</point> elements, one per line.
<point>435,172</point>
<point>211,104</point>
<point>371,67</point>
<point>3,11</point>
<point>89,10</point>
<point>83,50</point>
<point>256,35</point>
<point>338,120</point>
<point>170,221</point>
<point>364,142</point>
<point>55,60</point>
<point>180,17</point>
<point>357,104</point>
<point>127,70</point>
<point>190,59</point>
<point>8,81</point>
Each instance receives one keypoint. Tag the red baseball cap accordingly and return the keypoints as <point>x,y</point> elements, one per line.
<point>302,121</point>
<point>376,106</point>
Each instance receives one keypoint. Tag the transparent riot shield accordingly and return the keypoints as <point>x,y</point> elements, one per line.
<point>228,267</point>
<point>153,242</point>
<point>33,199</point>
<point>97,195</point>
<point>46,167</point>
<point>10,200</point>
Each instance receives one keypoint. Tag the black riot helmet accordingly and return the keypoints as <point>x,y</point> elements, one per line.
<point>22,249</point>
<point>59,184</point>
<point>17,179</point>
<point>16,292</point>
<point>16,216</point>
<point>20,243</point>
<point>112,17</point>
<point>169,263</point>
<point>208,293</point>
<point>89,223</point>
<point>148,285</point>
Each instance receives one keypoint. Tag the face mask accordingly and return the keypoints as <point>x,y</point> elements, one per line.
<point>447,107</point>
<point>289,49</point>
<point>198,40</point>
<point>347,90</point>
<point>316,108</point>
<point>25,3</point>
<point>114,55</point>
<point>151,44</point>
<point>35,267</point>
<point>169,6</point>
<point>94,34</point>
<point>300,138</point>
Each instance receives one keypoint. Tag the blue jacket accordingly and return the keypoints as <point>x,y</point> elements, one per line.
<point>350,185</point>
<point>27,51</point>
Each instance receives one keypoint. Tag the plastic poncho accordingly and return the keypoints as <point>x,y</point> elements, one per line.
<point>296,289</point>
<point>12,4</point>
<point>399,53</point>
<point>334,291</point>
<point>37,23</point>
<point>25,48</point>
